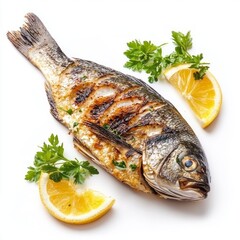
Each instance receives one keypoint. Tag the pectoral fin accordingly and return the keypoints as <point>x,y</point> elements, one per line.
<point>111,137</point>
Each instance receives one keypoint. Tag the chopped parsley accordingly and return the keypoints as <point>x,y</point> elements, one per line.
<point>70,111</point>
<point>75,124</point>
<point>133,167</point>
<point>121,165</point>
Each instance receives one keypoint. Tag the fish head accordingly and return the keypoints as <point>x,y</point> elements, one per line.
<point>176,169</point>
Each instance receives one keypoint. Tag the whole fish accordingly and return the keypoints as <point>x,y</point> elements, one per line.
<point>117,120</point>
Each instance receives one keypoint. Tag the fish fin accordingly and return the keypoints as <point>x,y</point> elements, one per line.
<point>87,153</point>
<point>33,39</point>
<point>111,137</point>
<point>32,33</point>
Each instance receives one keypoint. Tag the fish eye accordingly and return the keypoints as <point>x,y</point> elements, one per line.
<point>187,162</point>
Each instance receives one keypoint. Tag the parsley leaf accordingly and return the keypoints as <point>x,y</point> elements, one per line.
<point>75,124</point>
<point>51,160</point>
<point>121,165</point>
<point>33,174</point>
<point>133,167</point>
<point>183,42</point>
<point>145,56</point>
<point>70,111</point>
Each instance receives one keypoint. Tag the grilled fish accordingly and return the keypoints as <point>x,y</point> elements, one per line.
<point>117,120</point>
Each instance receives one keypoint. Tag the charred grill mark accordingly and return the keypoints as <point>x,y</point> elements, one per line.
<point>120,78</point>
<point>119,109</point>
<point>147,115</point>
<point>82,94</point>
<point>123,118</point>
<point>120,123</point>
<point>99,100</point>
<point>97,110</point>
<point>145,120</point>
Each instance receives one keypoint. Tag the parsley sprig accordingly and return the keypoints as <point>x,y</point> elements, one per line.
<point>51,160</point>
<point>145,56</point>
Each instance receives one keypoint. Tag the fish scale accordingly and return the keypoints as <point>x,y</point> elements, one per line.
<point>117,120</point>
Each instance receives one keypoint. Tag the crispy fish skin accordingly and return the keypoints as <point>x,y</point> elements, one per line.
<point>118,121</point>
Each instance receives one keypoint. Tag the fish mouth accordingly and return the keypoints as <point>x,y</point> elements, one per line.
<point>190,184</point>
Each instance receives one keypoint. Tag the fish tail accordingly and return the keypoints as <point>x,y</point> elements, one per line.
<point>35,42</point>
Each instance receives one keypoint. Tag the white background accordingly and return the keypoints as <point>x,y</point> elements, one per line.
<point>99,30</point>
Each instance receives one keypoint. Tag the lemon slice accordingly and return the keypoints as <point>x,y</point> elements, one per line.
<point>72,203</point>
<point>204,96</point>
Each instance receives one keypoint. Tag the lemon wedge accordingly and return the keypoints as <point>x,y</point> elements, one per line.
<point>204,96</point>
<point>72,203</point>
